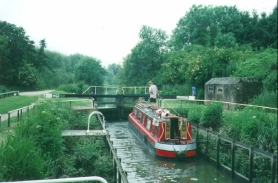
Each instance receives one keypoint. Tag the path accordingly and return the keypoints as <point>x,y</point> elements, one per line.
<point>34,93</point>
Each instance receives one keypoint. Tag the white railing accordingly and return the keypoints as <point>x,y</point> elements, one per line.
<point>102,122</point>
<point>146,89</point>
<point>135,89</point>
<point>76,179</point>
<point>106,88</point>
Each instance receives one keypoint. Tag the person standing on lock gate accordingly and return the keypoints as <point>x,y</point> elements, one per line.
<point>153,92</point>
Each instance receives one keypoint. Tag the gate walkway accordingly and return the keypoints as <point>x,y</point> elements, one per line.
<point>84,133</point>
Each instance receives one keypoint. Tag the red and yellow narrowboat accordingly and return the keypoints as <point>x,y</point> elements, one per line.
<point>165,134</point>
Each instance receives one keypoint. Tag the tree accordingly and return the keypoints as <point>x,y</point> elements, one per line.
<point>207,26</point>
<point>41,57</point>
<point>5,72</point>
<point>89,71</point>
<point>21,51</point>
<point>262,66</point>
<point>145,59</point>
<point>27,76</point>
<point>112,70</point>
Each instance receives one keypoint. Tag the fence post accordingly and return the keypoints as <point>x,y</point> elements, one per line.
<point>21,114</point>
<point>18,115</point>
<point>273,169</point>
<point>250,164</point>
<point>119,174</point>
<point>233,158</point>
<point>217,150</point>
<point>9,118</point>
<point>207,144</point>
<point>115,168</point>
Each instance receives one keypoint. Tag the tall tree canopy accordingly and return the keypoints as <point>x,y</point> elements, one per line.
<point>207,26</point>
<point>89,71</point>
<point>20,51</point>
<point>224,26</point>
<point>145,59</point>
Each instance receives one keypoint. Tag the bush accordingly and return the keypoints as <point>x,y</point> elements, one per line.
<point>3,89</point>
<point>184,89</point>
<point>194,114</point>
<point>212,114</point>
<point>70,88</point>
<point>45,127</point>
<point>21,160</point>
<point>180,111</point>
<point>266,98</point>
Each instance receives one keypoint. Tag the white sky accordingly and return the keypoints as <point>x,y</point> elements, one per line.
<point>104,29</point>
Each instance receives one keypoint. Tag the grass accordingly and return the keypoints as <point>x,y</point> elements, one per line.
<point>16,102</point>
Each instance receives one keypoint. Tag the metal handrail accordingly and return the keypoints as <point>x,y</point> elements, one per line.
<point>117,88</point>
<point>101,87</point>
<point>103,121</point>
<point>76,179</point>
<point>145,87</point>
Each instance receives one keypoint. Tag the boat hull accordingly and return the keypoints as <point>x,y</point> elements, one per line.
<point>170,149</point>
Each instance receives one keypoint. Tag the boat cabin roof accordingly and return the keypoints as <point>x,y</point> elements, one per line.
<point>151,111</point>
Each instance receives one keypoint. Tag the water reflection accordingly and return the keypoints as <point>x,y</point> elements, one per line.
<point>143,167</point>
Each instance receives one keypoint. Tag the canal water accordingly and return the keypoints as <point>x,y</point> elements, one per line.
<point>143,167</point>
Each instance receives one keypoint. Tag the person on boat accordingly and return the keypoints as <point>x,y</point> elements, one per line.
<point>153,92</point>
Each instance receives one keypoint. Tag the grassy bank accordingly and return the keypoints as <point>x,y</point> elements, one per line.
<point>34,148</point>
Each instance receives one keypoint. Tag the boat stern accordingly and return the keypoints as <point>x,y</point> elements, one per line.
<point>176,149</point>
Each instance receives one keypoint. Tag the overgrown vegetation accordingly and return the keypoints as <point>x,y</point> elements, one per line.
<point>35,149</point>
<point>252,126</point>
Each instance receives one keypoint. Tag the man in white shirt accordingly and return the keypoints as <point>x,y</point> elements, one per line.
<point>153,92</point>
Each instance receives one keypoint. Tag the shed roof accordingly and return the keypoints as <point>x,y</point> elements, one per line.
<point>228,80</point>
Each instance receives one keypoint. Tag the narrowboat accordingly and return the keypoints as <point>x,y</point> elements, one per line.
<point>165,134</point>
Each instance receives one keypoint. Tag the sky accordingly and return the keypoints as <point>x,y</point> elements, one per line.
<point>104,29</point>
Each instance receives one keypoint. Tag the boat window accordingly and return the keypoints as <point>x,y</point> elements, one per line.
<point>148,124</point>
<point>139,116</point>
<point>135,112</point>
